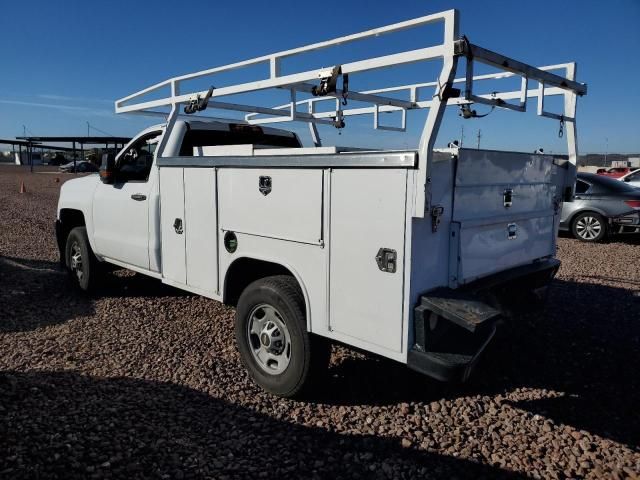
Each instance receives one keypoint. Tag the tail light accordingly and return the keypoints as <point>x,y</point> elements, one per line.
<point>633,203</point>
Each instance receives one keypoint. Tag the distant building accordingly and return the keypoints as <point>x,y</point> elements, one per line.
<point>608,160</point>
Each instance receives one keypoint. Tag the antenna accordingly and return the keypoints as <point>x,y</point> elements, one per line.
<point>479,136</point>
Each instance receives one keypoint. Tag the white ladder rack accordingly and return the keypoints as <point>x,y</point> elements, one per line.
<point>325,82</point>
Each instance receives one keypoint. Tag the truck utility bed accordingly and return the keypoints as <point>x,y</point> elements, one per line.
<point>496,211</point>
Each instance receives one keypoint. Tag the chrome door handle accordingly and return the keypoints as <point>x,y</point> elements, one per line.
<point>139,197</point>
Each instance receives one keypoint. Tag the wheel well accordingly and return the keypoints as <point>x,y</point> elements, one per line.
<point>69,219</point>
<point>246,270</point>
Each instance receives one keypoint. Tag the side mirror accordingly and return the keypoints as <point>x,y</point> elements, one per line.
<point>108,168</point>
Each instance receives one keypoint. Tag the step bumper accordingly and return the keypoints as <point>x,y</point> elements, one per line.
<point>452,327</point>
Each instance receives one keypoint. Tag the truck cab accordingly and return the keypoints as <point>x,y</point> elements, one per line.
<point>120,208</point>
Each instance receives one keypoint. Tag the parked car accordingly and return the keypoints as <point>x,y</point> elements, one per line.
<point>80,167</point>
<point>614,172</point>
<point>632,178</point>
<point>57,160</point>
<point>602,206</point>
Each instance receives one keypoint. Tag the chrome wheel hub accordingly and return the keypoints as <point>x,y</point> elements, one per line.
<point>76,261</point>
<point>588,227</point>
<point>269,339</point>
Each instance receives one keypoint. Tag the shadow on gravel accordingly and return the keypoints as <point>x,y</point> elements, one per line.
<point>628,238</point>
<point>584,344</point>
<point>64,425</point>
<point>35,293</point>
<point>124,283</point>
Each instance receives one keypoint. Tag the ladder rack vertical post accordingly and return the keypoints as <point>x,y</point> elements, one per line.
<point>570,104</point>
<point>434,117</point>
<point>274,67</point>
<point>171,118</point>
<point>524,85</point>
<point>540,98</point>
<point>313,129</point>
<point>292,115</point>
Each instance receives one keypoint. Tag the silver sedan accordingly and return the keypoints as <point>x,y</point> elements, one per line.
<point>602,206</point>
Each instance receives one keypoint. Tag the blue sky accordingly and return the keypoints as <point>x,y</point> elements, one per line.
<point>63,63</point>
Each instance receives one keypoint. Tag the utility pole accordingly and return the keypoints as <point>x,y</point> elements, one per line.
<point>461,136</point>
<point>28,149</point>
<point>479,136</point>
<point>87,129</point>
<point>606,150</point>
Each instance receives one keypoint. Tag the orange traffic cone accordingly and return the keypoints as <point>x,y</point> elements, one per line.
<point>22,188</point>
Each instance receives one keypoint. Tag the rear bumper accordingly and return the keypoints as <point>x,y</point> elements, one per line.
<point>629,220</point>
<point>453,327</point>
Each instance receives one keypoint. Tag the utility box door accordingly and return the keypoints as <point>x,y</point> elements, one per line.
<point>172,224</point>
<point>201,225</point>
<point>367,214</point>
<point>272,202</point>
<point>505,205</point>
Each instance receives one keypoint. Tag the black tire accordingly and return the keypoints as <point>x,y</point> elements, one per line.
<point>307,354</point>
<point>589,227</point>
<point>87,274</point>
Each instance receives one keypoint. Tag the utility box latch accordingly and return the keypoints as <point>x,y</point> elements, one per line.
<point>436,213</point>
<point>387,260</point>
<point>507,197</point>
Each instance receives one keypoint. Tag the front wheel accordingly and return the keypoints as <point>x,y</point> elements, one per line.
<point>272,336</point>
<point>82,264</point>
<point>589,227</point>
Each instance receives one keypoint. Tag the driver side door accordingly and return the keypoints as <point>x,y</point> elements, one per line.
<point>121,209</point>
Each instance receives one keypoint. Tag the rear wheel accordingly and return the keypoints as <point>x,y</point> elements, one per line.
<point>82,264</point>
<point>589,227</point>
<point>272,336</point>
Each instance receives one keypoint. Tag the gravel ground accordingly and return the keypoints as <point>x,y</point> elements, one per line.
<point>144,381</point>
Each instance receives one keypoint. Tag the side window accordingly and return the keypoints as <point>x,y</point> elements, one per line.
<point>582,187</point>
<point>135,162</point>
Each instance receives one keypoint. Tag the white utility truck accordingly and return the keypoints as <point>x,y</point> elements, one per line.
<point>403,253</point>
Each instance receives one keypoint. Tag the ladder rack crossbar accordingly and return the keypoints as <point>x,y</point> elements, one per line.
<point>413,89</point>
<point>274,59</point>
